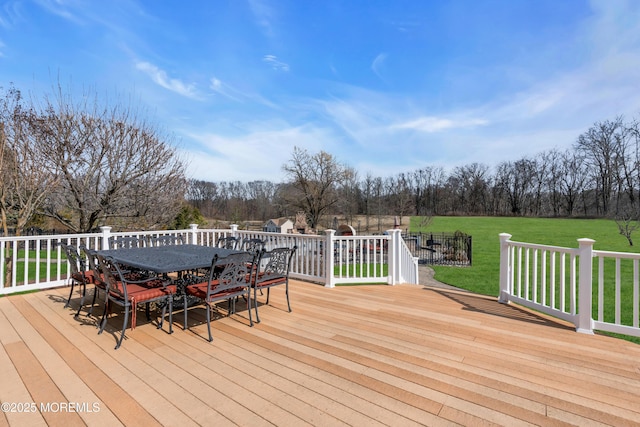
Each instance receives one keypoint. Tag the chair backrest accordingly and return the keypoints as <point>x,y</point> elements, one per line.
<point>92,262</point>
<point>230,272</point>
<point>166,240</point>
<point>253,246</point>
<point>274,264</point>
<point>112,277</point>
<point>228,242</point>
<point>75,260</point>
<point>125,242</point>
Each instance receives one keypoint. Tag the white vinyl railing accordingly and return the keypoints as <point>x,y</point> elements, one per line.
<point>37,262</point>
<point>568,284</point>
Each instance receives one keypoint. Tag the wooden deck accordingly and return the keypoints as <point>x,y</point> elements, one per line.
<point>359,356</point>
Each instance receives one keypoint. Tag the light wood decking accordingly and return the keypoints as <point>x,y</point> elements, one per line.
<point>360,356</point>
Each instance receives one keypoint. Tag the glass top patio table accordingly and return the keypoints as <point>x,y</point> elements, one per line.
<point>167,259</point>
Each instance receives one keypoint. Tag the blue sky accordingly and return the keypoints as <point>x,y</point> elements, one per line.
<point>385,86</point>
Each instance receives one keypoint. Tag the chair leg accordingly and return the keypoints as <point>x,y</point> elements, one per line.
<point>209,321</point>
<point>255,301</point>
<point>95,293</point>
<point>162,314</point>
<point>73,284</point>
<point>124,325</point>
<point>249,307</point>
<point>286,292</point>
<point>170,314</point>
<point>103,320</point>
<point>84,293</point>
<point>184,307</point>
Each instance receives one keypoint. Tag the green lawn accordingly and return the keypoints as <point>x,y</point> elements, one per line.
<point>31,254</point>
<point>483,276</point>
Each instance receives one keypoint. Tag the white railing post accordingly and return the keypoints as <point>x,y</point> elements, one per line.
<point>234,230</point>
<point>505,268</point>
<point>330,280</point>
<point>193,239</point>
<point>394,256</point>
<point>106,233</point>
<point>584,320</point>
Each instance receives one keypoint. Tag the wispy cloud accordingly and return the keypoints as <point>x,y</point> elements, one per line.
<point>224,89</point>
<point>438,124</point>
<point>221,160</point>
<point>62,9</point>
<point>9,14</point>
<point>264,15</point>
<point>160,77</point>
<point>273,61</point>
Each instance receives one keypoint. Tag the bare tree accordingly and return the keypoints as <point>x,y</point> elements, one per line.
<point>599,145</point>
<point>573,176</point>
<point>115,167</point>
<point>366,189</point>
<point>471,184</point>
<point>27,173</point>
<point>514,178</point>
<point>627,222</point>
<point>314,179</point>
<point>348,194</point>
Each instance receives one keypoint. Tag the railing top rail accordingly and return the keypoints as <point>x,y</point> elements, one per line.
<point>48,237</point>
<point>541,247</point>
<point>364,237</point>
<point>626,255</point>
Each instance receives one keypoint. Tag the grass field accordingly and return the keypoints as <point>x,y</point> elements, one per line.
<point>483,276</point>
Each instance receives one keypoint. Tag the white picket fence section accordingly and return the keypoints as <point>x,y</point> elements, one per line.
<point>37,262</point>
<point>568,284</point>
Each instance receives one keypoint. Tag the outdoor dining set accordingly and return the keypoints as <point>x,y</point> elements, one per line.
<point>171,275</point>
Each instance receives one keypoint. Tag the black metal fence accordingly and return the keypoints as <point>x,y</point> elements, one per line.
<point>440,248</point>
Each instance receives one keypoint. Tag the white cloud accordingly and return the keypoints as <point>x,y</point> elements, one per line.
<point>223,89</point>
<point>437,124</point>
<point>273,61</point>
<point>264,15</point>
<point>160,77</point>
<point>61,9</point>
<point>258,153</point>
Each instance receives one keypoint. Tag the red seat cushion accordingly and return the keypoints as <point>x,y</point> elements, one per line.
<point>199,290</point>
<point>138,293</point>
<point>86,277</point>
<point>279,280</point>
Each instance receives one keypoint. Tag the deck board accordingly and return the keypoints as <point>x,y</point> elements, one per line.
<point>355,355</point>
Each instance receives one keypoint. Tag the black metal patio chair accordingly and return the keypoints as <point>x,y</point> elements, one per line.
<point>228,278</point>
<point>272,270</point>
<point>166,240</point>
<point>253,246</point>
<point>125,242</point>
<point>129,293</point>
<point>79,276</point>
<point>227,242</point>
<point>98,283</point>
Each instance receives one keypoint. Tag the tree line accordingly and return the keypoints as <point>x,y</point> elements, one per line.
<point>85,163</point>
<point>598,176</point>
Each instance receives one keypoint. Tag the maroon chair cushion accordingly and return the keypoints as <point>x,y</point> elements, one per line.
<point>86,277</point>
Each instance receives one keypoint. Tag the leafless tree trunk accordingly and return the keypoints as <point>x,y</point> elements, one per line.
<point>314,177</point>
<point>599,145</point>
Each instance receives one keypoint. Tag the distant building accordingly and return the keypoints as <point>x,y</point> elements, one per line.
<point>278,225</point>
